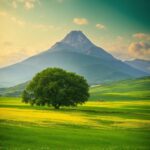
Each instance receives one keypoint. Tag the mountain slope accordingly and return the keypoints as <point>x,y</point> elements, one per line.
<point>143,65</point>
<point>74,53</point>
<point>92,68</point>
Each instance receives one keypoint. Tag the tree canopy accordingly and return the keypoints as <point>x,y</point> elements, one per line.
<point>56,87</point>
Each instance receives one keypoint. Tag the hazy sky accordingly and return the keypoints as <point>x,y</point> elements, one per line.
<point>28,27</point>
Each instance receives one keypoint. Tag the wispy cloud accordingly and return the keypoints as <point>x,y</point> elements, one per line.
<point>13,53</point>
<point>80,21</point>
<point>14,4</point>
<point>143,36</point>
<point>42,26</point>
<point>12,18</point>
<point>139,50</point>
<point>100,26</point>
<point>18,21</point>
<point>27,4</point>
<point>22,23</point>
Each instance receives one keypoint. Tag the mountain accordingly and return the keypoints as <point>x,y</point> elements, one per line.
<point>74,53</point>
<point>143,65</point>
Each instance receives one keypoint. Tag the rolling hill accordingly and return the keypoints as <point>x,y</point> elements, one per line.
<point>74,53</point>
<point>133,89</point>
<point>14,91</point>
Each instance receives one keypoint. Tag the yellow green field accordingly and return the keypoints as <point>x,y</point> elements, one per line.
<point>95,125</point>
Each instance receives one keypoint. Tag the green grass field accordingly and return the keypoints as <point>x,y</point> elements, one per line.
<point>135,89</point>
<point>105,122</point>
<point>95,125</point>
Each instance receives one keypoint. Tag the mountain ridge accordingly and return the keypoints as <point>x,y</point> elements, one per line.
<point>96,65</point>
<point>143,65</point>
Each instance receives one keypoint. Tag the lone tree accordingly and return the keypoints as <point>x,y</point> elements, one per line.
<point>56,87</point>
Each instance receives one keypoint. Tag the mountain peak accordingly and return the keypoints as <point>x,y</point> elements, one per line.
<point>77,39</point>
<point>75,34</point>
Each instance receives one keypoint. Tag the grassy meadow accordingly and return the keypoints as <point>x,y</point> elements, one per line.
<point>120,123</point>
<point>132,89</point>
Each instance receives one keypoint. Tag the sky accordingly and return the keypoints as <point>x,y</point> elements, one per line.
<point>28,27</point>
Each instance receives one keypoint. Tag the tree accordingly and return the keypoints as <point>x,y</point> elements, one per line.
<point>56,87</point>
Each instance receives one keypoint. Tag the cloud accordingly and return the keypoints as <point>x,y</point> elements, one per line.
<point>80,21</point>
<point>14,19</point>
<point>22,23</point>
<point>18,21</point>
<point>3,14</point>
<point>100,26</point>
<point>17,53</point>
<point>27,4</point>
<point>139,50</point>
<point>122,49</point>
<point>141,36</point>
<point>12,57</point>
<point>14,4</point>
<point>118,47</point>
<point>42,26</point>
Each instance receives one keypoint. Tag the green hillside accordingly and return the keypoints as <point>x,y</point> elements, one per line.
<point>135,89</point>
<point>14,91</point>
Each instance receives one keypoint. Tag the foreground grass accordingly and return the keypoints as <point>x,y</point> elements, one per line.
<point>96,125</point>
<point>26,136</point>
